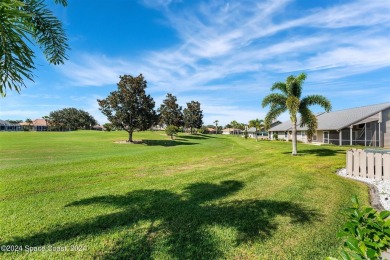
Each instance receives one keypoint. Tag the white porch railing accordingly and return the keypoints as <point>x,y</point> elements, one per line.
<point>368,164</point>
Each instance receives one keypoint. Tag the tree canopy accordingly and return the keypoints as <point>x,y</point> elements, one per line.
<point>216,126</point>
<point>193,115</point>
<point>70,119</point>
<point>289,99</point>
<point>257,124</point>
<point>170,113</point>
<point>129,107</point>
<point>22,23</point>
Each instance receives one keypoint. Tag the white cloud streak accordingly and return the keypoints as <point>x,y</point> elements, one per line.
<point>223,43</point>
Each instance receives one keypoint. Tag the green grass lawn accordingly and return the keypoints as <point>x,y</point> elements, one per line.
<point>195,197</point>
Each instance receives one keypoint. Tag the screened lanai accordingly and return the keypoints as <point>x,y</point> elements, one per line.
<point>7,126</point>
<point>366,126</point>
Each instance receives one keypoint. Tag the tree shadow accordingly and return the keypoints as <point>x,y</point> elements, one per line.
<point>318,152</point>
<point>174,142</point>
<point>176,222</point>
<point>197,137</point>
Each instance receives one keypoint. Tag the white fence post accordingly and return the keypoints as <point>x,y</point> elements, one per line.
<point>378,166</point>
<point>356,163</point>
<point>370,165</point>
<point>349,162</point>
<point>363,164</point>
<point>386,166</point>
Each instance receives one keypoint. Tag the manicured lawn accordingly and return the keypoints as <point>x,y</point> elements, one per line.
<point>196,197</point>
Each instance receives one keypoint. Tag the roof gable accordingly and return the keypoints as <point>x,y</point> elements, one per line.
<point>344,118</point>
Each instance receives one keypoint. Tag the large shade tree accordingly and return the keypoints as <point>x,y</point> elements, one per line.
<point>71,119</point>
<point>289,99</point>
<point>129,107</point>
<point>24,23</point>
<point>170,113</point>
<point>193,115</point>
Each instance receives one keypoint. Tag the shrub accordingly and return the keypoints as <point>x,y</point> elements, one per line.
<point>203,130</point>
<point>108,127</point>
<point>367,232</point>
<point>246,134</point>
<point>171,130</point>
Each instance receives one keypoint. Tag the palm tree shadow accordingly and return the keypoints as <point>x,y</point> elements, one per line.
<point>197,137</point>
<point>167,143</point>
<point>178,221</point>
<point>319,152</point>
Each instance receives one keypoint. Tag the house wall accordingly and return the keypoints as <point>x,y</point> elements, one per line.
<point>320,136</point>
<point>10,128</point>
<point>385,127</point>
<point>302,136</point>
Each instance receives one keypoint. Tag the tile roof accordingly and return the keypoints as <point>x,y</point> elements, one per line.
<point>340,119</point>
<point>39,122</point>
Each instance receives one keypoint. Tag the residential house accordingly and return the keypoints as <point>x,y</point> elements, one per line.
<point>367,126</point>
<point>37,125</point>
<point>231,131</point>
<point>211,130</point>
<point>7,126</point>
<point>98,127</point>
<point>260,133</point>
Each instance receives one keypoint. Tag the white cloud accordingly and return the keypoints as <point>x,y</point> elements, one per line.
<point>227,47</point>
<point>95,70</point>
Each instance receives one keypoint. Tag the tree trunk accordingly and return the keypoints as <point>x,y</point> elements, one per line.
<point>256,135</point>
<point>294,138</point>
<point>130,136</point>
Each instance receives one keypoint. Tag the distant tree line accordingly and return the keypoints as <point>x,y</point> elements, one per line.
<point>131,109</point>
<point>66,119</point>
<point>69,119</point>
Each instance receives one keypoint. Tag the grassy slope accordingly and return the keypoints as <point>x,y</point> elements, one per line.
<point>194,197</point>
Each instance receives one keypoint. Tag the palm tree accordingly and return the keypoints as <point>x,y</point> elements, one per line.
<point>216,126</point>
<point>47,119</point>
<point>234,123</point>
<point>25,23</point>
<point>290,100</point>
<point>30,123</point>
<point>258,124</point>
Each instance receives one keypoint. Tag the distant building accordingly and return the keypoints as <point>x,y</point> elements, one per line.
<point>7,126</point>
<point>37,125</point>
<point>231,131</point>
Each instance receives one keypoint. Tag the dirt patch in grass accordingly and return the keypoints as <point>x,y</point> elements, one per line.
<point>127,142</point>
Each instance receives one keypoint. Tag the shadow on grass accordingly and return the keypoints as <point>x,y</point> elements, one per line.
<point>318,152</point>
<point>175,222</point>
<point>174,142</point>
<point>197,136</point>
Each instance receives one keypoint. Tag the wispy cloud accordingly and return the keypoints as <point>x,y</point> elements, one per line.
<point>94,70</point>
<point>227,47</point>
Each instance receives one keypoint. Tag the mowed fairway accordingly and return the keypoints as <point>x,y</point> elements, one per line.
<point>196,197</point>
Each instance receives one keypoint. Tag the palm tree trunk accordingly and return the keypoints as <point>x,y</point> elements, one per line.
<point>294,138</point>
<point>256,134</point>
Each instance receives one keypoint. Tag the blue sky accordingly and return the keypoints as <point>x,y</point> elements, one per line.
<point>224,54</point>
